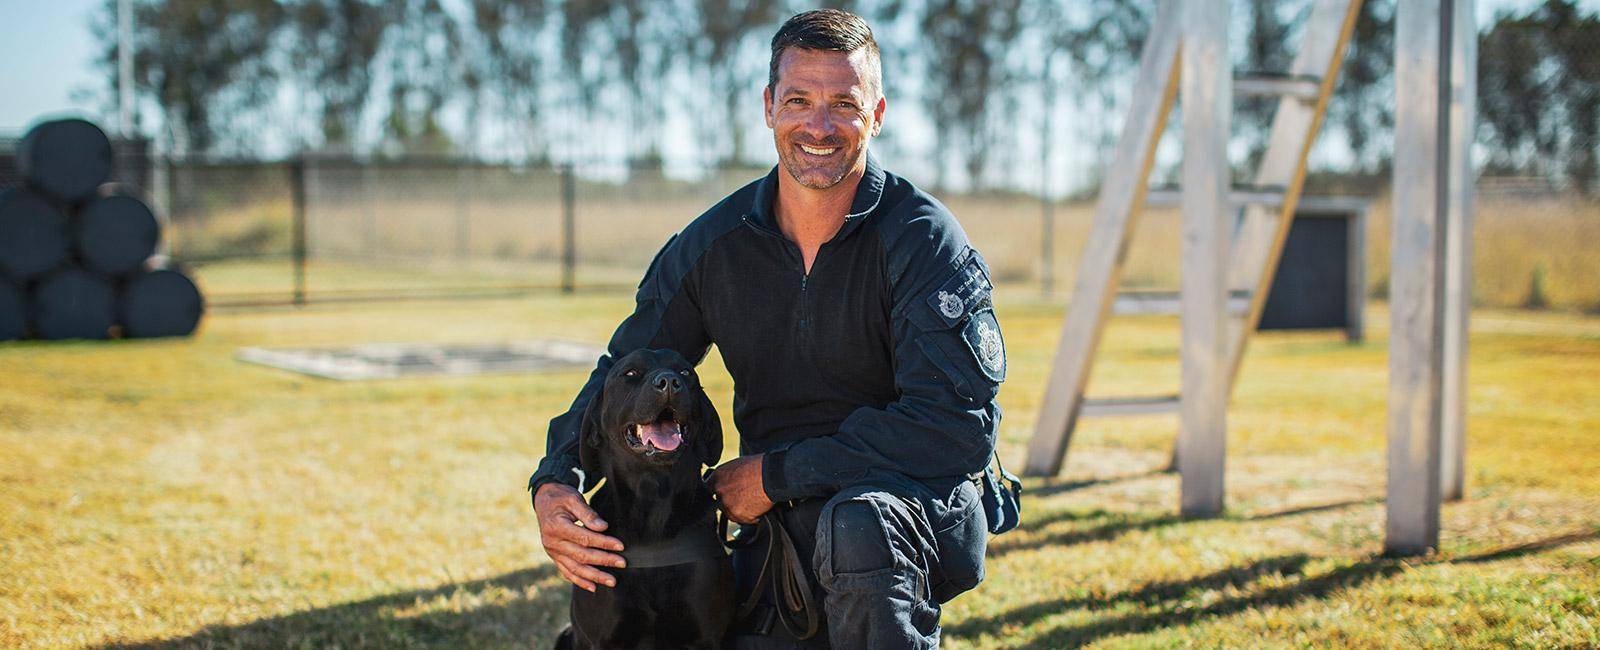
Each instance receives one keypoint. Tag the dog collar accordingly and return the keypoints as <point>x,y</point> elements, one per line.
<point>694,543</point>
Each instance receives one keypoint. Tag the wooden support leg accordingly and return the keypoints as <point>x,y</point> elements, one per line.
<point>1417,273</point>
<point>1206,95</point>
<point>1458,249</point>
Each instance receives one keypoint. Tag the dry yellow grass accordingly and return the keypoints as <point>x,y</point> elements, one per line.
<point>161,493</point>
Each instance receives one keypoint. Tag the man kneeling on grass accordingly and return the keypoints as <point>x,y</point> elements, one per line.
<point>856,321</point>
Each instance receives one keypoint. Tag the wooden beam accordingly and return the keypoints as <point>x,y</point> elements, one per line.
<point>1458,249</point>
<point>1104,253</point>
<point>1416,293</point>
<point>1264,230</point>
<point>1206,95</point>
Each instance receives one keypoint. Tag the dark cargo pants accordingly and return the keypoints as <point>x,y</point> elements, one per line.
<point>882,556</point>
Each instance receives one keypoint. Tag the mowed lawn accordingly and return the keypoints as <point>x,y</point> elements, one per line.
<point>162,493</point>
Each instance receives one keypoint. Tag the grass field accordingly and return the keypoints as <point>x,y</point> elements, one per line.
<point>160,493</point>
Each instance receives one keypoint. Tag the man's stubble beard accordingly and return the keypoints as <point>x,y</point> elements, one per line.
<point>792,165</point>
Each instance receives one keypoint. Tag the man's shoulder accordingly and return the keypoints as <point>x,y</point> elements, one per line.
<point>683,249</point>
<point>721,217</point>
<point>917,230</point>
<point>700,233</point>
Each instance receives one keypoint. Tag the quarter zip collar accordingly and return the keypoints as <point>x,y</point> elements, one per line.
<point>868,194</point>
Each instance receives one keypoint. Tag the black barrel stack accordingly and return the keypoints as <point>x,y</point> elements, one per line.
<point>76,253</point>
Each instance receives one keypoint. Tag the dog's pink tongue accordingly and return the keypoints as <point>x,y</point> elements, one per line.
<point>662,435</point>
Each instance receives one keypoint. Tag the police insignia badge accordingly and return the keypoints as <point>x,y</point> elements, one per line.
<point>950,305</point>
<point>990,349</point>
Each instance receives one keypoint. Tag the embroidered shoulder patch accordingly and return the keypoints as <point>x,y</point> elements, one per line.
<point>982,334</point>
<point>964,291</point>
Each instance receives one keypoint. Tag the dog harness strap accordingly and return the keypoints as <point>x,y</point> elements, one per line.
<point>695,543</point>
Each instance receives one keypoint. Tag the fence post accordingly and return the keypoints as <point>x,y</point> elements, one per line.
<point>569,239</point>
<point>370,207</point>
<point>463,212</point>
<point>297,190</point>
<point>161,191</point>
<point>1047,249</point>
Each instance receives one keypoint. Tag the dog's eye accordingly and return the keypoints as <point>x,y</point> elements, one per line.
<point>631,372</point>
<point>684,372</point>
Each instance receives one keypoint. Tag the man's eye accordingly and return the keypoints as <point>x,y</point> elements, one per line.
<point>796,101</point>
<point>846,105</point>
<point>631,372</point>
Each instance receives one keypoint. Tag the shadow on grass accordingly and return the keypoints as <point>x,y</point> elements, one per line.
<point>1150,594</point>
<point>530,616</point>
<point>1126,525</point>
<point>1053,487</point>
<point>1173,596</point>
<point>1307,510</point>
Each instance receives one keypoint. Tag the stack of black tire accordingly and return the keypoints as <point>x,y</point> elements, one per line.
<point>76,253</point>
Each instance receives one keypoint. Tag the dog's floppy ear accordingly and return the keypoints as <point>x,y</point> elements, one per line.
<point>709,441</point>
<point>589,439</point>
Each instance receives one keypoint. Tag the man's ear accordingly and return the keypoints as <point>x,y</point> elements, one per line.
<point>589,439</point>
<point>709,442</point>
<point>766,105</point>
<point>877,115</point>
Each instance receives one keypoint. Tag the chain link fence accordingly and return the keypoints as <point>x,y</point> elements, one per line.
<point>392,229</point>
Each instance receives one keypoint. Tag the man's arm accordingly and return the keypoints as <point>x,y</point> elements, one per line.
<point>949,362</point>
<point>663,317</point>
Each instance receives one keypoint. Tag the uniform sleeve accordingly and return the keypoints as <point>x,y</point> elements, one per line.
<point>665,315</point>
<point>949,363</point>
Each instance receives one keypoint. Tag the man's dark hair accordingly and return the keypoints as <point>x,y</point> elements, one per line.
<point>826,29</point>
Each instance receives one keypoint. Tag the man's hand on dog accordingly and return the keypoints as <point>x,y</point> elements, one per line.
<point>739,489</point>
<point>575,549</point>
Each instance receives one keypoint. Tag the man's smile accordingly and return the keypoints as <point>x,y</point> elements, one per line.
<point>816,151</point>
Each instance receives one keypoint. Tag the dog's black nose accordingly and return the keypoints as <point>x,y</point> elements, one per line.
<point>667,382</point>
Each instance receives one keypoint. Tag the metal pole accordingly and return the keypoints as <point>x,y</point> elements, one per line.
<point>463,212</point>
<point>1047,239</point>
<point>161,189</point>
<point>297,189</point>
<point>569,220</point>
<point>1047,252</point>
<point>125,66</point>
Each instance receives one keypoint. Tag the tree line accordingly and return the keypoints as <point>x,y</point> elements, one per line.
<point>538,79</point>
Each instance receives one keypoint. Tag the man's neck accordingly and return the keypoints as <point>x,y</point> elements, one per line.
<point>810,217</point>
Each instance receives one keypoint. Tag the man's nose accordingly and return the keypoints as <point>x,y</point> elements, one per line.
<point>819,123</point>
<point>667,382</point>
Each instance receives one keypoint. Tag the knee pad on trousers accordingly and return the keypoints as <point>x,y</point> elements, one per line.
<point>857,539</point>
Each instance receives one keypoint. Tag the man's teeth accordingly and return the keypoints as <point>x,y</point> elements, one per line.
<point>818,152</point>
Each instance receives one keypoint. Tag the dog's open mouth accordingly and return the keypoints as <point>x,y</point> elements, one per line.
<point>663,434</point>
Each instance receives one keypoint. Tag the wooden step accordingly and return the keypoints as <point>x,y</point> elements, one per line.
<point>1303,87</point>
<point>1140,405</point>
<point>1148,301</point>
<point>1241,195</point>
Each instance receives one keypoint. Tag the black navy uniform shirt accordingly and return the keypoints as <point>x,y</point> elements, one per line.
<point>885,357</point>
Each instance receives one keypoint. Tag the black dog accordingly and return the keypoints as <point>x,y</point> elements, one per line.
<point>647,433</point>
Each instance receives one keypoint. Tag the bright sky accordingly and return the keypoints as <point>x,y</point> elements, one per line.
<point>48,54</point>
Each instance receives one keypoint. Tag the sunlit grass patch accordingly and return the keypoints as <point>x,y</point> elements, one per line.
<point>162,493</point>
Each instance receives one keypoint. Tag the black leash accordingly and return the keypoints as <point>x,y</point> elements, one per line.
<point>782,569</point>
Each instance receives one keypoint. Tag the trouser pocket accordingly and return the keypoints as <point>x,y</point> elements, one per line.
<point>961,537</point>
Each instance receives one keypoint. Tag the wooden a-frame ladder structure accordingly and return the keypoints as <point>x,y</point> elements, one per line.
<point>1188,47</point>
